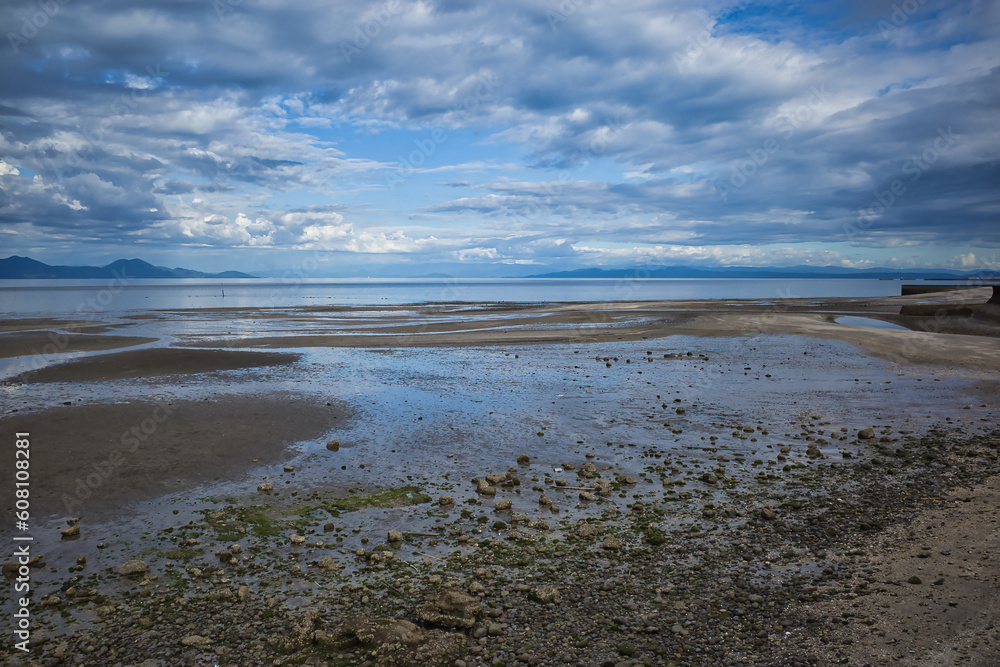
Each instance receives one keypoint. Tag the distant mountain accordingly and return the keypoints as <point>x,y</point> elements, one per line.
<point>15,267</point>
<point>802,272</point>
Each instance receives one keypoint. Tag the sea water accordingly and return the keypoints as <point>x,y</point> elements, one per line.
<point>52,298</point>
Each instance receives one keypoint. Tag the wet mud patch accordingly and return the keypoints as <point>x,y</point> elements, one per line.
<point>154,362</point>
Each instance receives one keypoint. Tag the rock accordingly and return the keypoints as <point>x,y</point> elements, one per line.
<point>545,594</point>
<point>196,640</point>
<point>243,594</point>
<point>266,487</point>
<point>495,478</point>
<point>329,527</point>
<point>236,548</point>
<point>524,460</point>
<point>612,543</point>
<point>495,630</point>
<point>587,495</point>
<point>603,487</point>
<point>81,559</point>
<point>289,468</point>
<point>484,488</point>
<point>451,609</point>
<point>72,531</point>
<point>133,567</point>
<point>626,479</point>
<point>297,539</point>
<point>866,434</point>
<point>475,588</point>
<point>446,500</point>
<point>588,530</point>
<point>395,536</point>
<point>812,451</point>
<point>709,478</point>
<point>333,445</point>
<point>328,563</point>
<point>385,641</point>
<point>503,505</point>
<point>767,514</point>
<point>914,580</point>
<point>544,500</point>
<point>72,522</point>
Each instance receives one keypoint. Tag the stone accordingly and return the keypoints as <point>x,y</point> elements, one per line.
<point>612,543</point>
<point>446,500</point>
<point>297,539</point>
<point>545,594</point>
<point>72,531</point>
<point>328,563</point>
<point>914,580</point>
<point>395,536</point>
<point>451,609</point>
<point>289,468</point>
<point>866,434</point>
<point>587,496</point>
<point>588,530</point>
<point>603,487</point>
<point>503,505</point>
<point>767,514</point>
<point>524,460</point>
<point>196,640</point>
<point>266,487</point>
<point>133,567</point>
<point>544,500</point>
<point>333,445</point>
<point>385,641</point>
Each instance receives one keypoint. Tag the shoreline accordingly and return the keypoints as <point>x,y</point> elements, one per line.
<point>739,491</point>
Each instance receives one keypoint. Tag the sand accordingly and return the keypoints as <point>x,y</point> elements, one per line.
<point>98,460</point>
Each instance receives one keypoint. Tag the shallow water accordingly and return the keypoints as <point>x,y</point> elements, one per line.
<point>851,320</point>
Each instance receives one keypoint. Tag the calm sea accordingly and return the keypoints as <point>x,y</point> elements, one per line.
<point>60,297</point>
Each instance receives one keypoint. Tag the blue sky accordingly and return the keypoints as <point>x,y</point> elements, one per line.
<point>501,138</point>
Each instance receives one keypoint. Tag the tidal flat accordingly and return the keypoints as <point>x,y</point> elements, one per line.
<point>635,483</point>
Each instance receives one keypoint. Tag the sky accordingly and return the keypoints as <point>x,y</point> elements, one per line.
<point>514,137</point>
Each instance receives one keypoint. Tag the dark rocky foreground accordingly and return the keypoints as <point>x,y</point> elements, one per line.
<point>677,580</point>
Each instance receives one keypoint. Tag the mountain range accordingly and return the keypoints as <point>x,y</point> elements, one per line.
<point>15,267</point>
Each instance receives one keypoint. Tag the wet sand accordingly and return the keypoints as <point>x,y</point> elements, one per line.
<point>98,460</point>
<point>152,362</point>
<point>55,342</point>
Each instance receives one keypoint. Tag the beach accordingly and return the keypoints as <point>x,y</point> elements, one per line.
<point>745,481</point>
